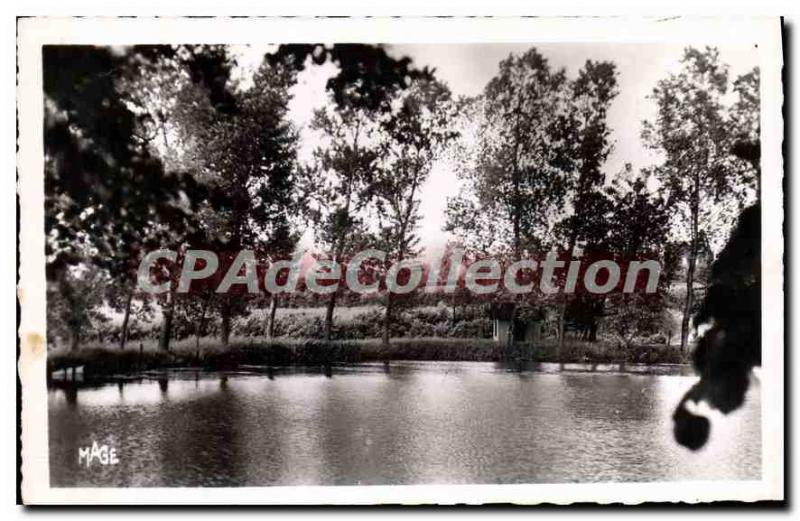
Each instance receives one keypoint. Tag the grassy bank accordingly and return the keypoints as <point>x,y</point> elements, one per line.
<point>104,360</point>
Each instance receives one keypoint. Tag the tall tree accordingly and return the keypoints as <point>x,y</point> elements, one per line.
<point>637,228</point>
<point>693,131</point>
<point>627,222</point>
<point>339,183</point>
<point>105,187</point>
<point>175,92</point>
<point>592,93</point>
<point>517,180</point>
<point>74,301</point>
<point>746,120</point>
<point>249,155</point>
<point>521,169</point>
<point>412,139</point>
<point>160,91</point>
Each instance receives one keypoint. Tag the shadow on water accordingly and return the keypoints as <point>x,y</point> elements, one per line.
<point>518,366</point>
<point>163,385</point>
<point>71,395</point>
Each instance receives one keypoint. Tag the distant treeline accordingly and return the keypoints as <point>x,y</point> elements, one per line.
<point>178,147</point>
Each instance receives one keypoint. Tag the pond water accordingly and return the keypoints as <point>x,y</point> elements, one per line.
<point>406,423</point>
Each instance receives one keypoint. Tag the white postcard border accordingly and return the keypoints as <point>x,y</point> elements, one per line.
<point>34,32</point>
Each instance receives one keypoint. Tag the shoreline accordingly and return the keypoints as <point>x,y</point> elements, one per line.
<point>395,367</point>
<point>100,362</point>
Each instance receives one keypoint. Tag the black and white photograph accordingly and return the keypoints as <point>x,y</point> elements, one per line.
<point>323,255</point>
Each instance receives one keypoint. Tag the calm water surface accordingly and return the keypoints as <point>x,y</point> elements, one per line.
<point>408,423</point>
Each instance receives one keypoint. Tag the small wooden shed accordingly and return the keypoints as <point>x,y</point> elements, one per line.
<point>527,324</point>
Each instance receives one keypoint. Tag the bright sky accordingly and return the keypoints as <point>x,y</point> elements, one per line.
<point>467,68</point>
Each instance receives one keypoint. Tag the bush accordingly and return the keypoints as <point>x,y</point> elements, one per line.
<point>410,323</point>
<point>474,328</point>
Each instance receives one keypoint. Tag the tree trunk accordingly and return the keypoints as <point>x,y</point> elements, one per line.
<point>562,312</point>
<point>273,307</point>
<point>124,336</point>
<point>225,326</point>
<point>517,239</point>
<point>387,318</point>
<point>199,328</point>
<point>687,308</point>
<point>75,340</point>
<point>562,318</point>
<point>510,333</point>
<point>166,325</point>
<point>329,315</point>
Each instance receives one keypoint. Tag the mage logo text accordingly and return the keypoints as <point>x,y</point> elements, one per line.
<point>102,454</point>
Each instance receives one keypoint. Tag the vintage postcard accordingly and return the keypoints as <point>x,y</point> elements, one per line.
<point>400,260</point>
